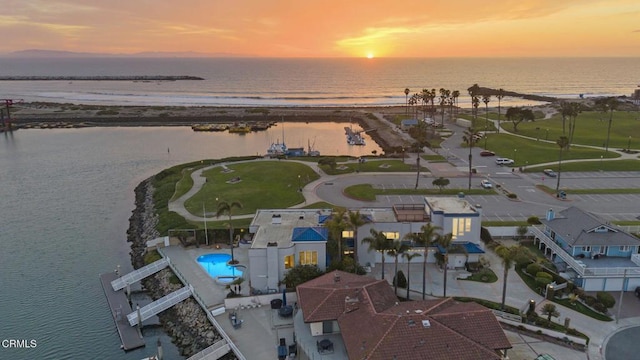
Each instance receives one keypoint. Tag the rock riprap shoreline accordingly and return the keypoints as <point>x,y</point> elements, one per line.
<point>186,322</point>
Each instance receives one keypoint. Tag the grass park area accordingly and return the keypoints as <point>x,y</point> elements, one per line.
<point>594,165</point>
<point>371,165</point>
<point>526,152</point>
<point>275,183</point>
<point>366,192</point>
<point>591,129</point>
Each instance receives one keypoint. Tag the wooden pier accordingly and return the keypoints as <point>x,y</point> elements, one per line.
<point>120,307</point>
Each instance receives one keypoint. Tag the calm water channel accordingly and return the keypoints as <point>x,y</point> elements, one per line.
<point>66,198</point>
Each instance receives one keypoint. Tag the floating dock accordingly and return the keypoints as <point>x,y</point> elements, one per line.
<point>120,307</point>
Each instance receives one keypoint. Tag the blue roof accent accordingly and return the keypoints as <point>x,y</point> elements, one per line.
<point>407,122</point>
<point>470,247</point>
<point>317,233</point>
<point>323,218</point>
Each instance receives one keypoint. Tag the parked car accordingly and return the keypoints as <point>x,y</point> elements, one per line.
<point>504,161</point>
<point>486,184</point>
<point>487,153</point>
<point>549,173</point>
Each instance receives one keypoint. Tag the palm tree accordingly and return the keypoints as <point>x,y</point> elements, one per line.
<point>354,221</point>
<point>336,225</point>
<point>396,249</point>
<point>225,207</point>
<point>499,97</point>
<point>445,242</point>
<point>486,99</point>
<point>469,138</point>
<point>409,256</point>
<point>610,105</point>
<point>406,97</point>
<point>509,255</point>
<point>426,238</point>
<point>563,143</point>
<point>444,98</point>
<point>378,241</point>
<point>454,101</point>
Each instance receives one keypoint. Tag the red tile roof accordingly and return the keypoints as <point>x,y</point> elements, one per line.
<point>374,325</point>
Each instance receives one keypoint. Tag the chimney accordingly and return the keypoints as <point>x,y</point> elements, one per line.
<point>550,215</point>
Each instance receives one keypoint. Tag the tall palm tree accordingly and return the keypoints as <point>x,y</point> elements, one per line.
<point>409,256</point>
<point>396,249</point>
<point>563,144</point>
<point>469,138</point>
<point>426,237</point>
<point>406,97</point>
<point>575,110</point>
<point>354,221</point>
<point>377,241</point>
<point>455,94</point>
<point>499,96</point>
<point>225,207</point>
<point>336,224</point>
<point>486,99</point>
<point>445,242</point>
<point>610,105</point>
<point>509,255</point>
<point>444,98</point>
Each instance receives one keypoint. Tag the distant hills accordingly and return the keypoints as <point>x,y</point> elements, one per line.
<point>38,53</point>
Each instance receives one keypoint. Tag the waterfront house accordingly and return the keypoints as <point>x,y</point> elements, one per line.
<point>452,214</point>
<point>591,252</point>
<point>282,239</point>
<point>347,316</point>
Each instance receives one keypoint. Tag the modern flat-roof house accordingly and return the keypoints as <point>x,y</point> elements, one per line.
<point>282,239</point>
<point>452,214</point>
<point>347,316</point>
<point>597,255</point>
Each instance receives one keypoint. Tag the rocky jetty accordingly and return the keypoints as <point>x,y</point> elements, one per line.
<point>186,322</point>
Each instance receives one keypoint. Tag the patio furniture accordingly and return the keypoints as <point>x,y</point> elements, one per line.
<point>325,346</point>
<point>235,321</point>
<point>286,311</point>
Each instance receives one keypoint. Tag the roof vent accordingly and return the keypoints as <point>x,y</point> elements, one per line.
<point>412,322</point>
<point>336,277</point>
<point>426,324</point>
<point>276,219</point>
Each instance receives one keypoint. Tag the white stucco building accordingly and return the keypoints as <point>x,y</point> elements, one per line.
<point>282,239</point>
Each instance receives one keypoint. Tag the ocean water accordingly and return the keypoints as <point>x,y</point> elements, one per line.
<point>66,198</point>
<point>313,82</point>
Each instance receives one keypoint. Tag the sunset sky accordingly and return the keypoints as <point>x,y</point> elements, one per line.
<point>326,28</point>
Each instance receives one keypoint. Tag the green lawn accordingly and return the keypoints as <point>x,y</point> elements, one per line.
<point>263,183</point>
<point>596,165</point>
<point>528,152</point>
<point>591,129</point>
<point>366,192</point>
<point>590,191</point>
<point>377,165</point>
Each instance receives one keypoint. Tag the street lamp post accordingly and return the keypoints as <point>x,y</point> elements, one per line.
<point>515,156</point>
<point>629,144</point>
<point>547,137</point>
<point>204,217</point>
<point>403,155</point>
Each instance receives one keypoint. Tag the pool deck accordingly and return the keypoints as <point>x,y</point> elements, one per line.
<point>185,262</point>
<point>129,335</point>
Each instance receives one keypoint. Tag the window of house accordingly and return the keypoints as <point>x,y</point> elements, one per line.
<point>289,261</point>
<point>460,226</point>
<point>347,234</point>
<point>625,248</point>
<point>391,235</point>
<point>308,258</point>
<point>586,248</point>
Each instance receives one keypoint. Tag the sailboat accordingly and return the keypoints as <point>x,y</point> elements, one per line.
<point>312,151</point>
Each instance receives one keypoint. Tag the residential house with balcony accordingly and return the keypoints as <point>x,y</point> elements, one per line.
<point>282,239</point>
<point>452,214</point>
<point>346,316</point>
<point>594,254</point>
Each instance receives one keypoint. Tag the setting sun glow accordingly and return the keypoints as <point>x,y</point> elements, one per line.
<point>331,28</point>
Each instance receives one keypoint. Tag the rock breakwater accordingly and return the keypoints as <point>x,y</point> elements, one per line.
<point>186,322</point>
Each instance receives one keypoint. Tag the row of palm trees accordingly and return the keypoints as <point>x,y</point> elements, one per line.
<point>426,98</point>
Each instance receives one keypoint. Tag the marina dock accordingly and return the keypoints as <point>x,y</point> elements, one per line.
<point>120,307</point>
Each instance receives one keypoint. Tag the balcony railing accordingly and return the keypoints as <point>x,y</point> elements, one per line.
<point>582,269</point>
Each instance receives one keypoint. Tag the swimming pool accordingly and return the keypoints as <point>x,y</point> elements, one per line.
<point>216,266</point>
